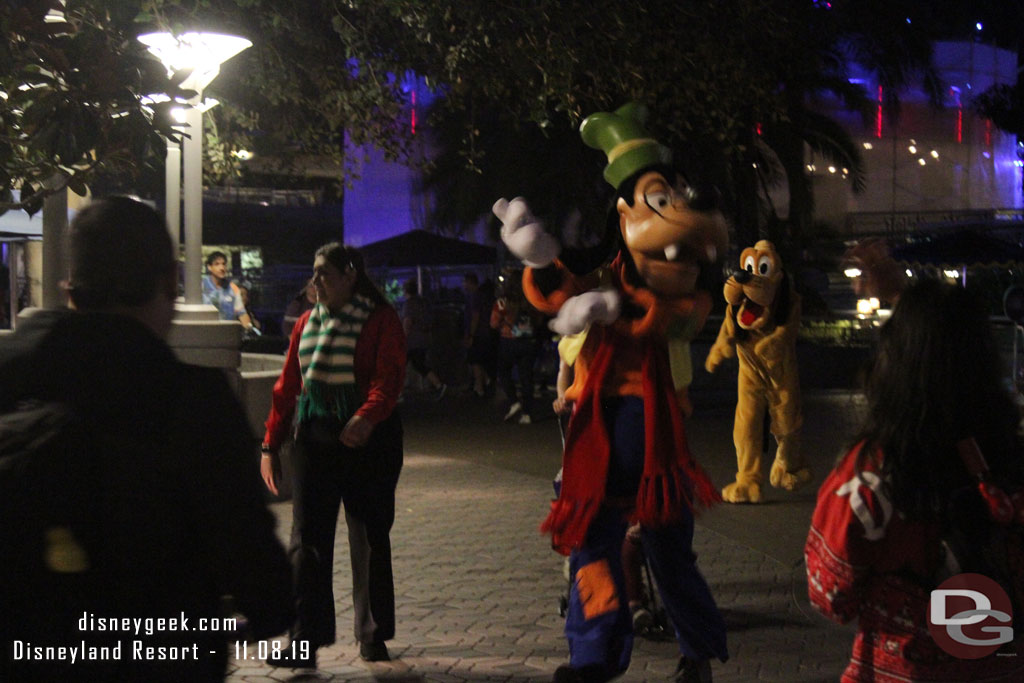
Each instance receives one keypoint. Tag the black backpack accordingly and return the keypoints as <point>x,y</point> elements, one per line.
<point>983,531</point>
<point>49,539</point>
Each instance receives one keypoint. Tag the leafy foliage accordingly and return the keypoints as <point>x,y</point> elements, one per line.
<point>71,87</point>
<point>1004,104</point>
<point>517,77</point>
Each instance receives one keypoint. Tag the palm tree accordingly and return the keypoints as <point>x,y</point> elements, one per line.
<point>549,166</point>
<point>878,37</point>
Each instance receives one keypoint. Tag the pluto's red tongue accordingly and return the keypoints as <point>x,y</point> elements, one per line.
<point>751,312</point>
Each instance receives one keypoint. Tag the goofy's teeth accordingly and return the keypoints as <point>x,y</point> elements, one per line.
<point>671,252</point>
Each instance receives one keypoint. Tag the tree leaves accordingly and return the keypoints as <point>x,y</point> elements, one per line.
<point>72,99</point>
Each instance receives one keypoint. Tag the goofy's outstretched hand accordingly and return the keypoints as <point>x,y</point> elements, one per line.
<point>524,234</point>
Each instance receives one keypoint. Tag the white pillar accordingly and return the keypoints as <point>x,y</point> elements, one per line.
<point>55,264</point>
<point>193,192</point>
<point>33,264</point>
<point>172,192</point>
<point>14,263</point>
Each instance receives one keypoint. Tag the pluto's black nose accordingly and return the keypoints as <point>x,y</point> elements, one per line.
<point>742,276</point>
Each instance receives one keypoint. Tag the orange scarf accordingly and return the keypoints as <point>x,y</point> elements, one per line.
<point>671,478</point>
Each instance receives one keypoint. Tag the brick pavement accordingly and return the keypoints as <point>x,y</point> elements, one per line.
<point>477,587</point>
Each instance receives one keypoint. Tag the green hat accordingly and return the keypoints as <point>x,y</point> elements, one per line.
<point>621,135</point>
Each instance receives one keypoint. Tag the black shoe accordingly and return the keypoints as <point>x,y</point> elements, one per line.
<point>289,661</point>
<point>592,673</point>
<point>374,652</point>
<point>693,671</point>
<point>643,620</point>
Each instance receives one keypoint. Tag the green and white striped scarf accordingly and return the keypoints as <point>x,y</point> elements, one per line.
<point>326,356</point>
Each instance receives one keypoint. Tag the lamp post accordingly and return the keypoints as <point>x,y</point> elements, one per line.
<point>202,53</point>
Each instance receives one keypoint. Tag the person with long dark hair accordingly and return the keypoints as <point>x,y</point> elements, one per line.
<point>878,543</point>
<point>343,373</point>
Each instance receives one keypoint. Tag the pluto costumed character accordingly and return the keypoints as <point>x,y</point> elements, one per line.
<point>760,327</point>
<point>626,455</point>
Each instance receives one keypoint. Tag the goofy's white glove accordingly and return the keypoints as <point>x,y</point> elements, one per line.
<point>596,306</point>
<point>524,234</point>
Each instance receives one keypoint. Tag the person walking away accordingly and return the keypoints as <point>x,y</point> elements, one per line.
<point>243,292</point>
<point>172,516</point>
<point>479,339</point>
<point>888,516</point>
<point>300,303</point>
<point>416,324</point>
<point>342,377</point>
<point>515,321</point>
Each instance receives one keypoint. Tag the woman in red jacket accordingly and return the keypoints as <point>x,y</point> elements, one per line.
<point>891,509</point>
<point>344,372</point>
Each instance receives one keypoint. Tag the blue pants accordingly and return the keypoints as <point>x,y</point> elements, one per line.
<point>598,625</point>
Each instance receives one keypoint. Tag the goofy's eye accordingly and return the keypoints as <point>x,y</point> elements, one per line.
<point>748,264</point>
<point>658,200</point>
<point>764,265</point>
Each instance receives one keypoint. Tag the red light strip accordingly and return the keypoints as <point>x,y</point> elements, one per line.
<point>878,116</point>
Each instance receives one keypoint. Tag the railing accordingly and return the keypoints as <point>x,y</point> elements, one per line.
<point>871,223</point>
<point>263,196</point>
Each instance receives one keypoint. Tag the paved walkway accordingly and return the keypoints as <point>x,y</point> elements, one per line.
<point>478,587</point>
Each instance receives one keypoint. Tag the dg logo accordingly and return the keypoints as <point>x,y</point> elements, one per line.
<point>970,616</point>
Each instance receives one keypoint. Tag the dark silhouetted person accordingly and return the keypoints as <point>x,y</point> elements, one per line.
<point>300,303</point>
<point>416,324</point>
<point>516,322</point>
<point>480,340</point>
<point>178,516</point>
<point>243,292</point>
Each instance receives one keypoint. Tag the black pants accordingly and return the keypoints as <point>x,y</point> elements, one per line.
<point>520,354</point>
<point>326,475</point>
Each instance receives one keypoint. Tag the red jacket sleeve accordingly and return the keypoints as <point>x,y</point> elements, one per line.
<point>380,364</point>
<point>848,531</point>
<point>286,390</point>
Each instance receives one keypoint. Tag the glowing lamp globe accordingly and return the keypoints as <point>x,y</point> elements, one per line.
<point>202,53</point>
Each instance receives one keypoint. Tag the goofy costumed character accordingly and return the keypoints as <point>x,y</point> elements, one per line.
<point>626,456</point>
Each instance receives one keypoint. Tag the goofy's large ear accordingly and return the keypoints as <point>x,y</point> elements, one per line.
<point>584,260</point>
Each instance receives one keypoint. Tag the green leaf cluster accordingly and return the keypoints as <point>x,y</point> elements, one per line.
<point>72,83</point>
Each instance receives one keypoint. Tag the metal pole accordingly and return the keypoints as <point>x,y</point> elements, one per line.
<point>193,193</point>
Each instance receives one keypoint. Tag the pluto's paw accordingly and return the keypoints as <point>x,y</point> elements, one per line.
<point>742,493</point>
<point>791,481</point>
